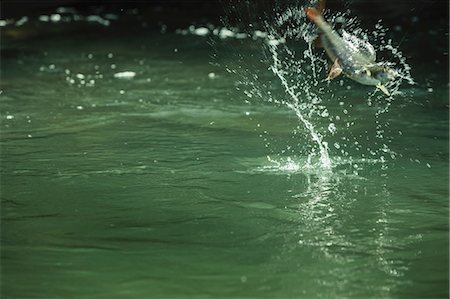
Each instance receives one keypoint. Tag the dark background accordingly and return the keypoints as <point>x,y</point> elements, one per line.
<point>420,26</point>
<point>393,11</point>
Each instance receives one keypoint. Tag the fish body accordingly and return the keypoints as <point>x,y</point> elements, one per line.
<point>350,55</point>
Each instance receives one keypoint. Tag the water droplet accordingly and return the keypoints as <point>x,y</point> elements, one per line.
<point>332,128</point>
<point>325,113</point>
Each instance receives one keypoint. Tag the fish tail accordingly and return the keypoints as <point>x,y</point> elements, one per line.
<point>321,6</point>
<point>312,13</point>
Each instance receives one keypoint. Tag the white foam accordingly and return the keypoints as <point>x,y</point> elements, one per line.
<point>275,42</point>
<point>259,34</point>
<point>21,21</point>
<point>201,31</point>
<point>125,75</point>
<point>226,33</point>
<point>98,19</point>
<point>241,35</point>
<point>3,23</point>
<point>55,18</point>
<point>44,18</point>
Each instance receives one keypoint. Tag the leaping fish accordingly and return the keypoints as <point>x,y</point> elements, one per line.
<point>350,55</point>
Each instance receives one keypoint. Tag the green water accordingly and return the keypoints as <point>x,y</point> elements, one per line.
<point>160,186</point>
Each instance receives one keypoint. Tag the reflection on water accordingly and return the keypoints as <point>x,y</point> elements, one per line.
<point>344,219</point>
<point>328,213</point>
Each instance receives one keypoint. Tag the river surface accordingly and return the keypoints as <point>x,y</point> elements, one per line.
<point>172,183</point>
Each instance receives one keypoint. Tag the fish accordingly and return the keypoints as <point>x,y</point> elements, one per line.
<point>349,55</point>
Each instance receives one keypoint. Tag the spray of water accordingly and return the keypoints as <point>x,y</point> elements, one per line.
<point>311,97</point>
<point>332,127</point>
<point>343,127</point>
<point>325,160</point>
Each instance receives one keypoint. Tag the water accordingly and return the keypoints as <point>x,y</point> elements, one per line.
<point>198,177</point>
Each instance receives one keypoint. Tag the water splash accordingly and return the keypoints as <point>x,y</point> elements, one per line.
<point>287,165</point>
<point>295,105</point>
<point>345,139</point>
<point>311,97</point>
<point>338,118</point>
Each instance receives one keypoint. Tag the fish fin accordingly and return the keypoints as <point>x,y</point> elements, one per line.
<point>317,43</point>
<point>383,89</point>
<point>335,70</point>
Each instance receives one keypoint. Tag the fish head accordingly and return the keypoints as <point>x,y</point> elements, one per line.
<point>378,75</point>
<point>382,73</point>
